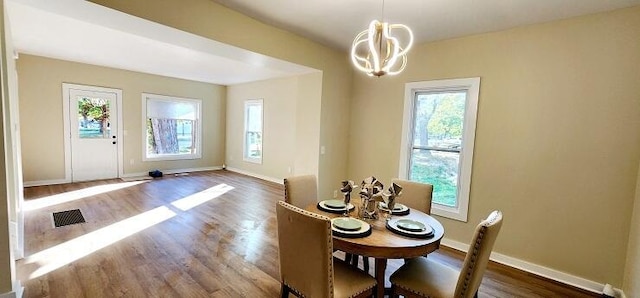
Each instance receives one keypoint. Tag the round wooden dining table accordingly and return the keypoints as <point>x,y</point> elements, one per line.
<point>384,244</point>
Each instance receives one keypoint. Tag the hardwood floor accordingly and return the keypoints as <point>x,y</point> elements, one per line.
<point>208,234</point>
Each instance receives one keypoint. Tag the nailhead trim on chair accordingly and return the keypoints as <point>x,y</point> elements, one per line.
<point>474,257</point>
<point>330,238</point>
<point>286,194</point>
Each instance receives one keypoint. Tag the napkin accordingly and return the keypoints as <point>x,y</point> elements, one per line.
<point>371,188</point>
<point>347,187</point>
<point>392,193</point>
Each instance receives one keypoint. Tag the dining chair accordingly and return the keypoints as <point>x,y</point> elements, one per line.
<point>423,277</point>
<point>307,265</point>
<point>301,191</point>
<point>415,195</point>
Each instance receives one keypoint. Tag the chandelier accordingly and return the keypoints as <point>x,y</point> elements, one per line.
<point>377,51</point>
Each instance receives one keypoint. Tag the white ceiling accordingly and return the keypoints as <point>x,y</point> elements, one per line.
<point>336,22</point>
<point>81,31</point>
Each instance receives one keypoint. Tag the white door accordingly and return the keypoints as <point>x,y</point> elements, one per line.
<point>93,131</point>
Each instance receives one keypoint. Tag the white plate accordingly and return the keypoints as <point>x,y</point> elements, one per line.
<point>397,207</point>
<point>334,204</point>
<point>323,205</point>
<point>393,224</point>
<point>346,224</point>
<point>410,225</point>
<point>364,228</point>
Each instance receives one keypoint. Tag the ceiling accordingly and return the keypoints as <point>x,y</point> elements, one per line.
<point>78,30</point>
<point>336,22</point>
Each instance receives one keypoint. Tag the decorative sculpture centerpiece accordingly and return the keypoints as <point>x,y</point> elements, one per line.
<point>371,193</point>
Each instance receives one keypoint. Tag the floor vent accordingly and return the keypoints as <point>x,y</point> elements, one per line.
<point>69,217</point>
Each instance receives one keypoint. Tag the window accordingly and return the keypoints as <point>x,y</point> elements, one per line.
<point>437,142</point>
<point>172,127</point>
<point>253,130</point>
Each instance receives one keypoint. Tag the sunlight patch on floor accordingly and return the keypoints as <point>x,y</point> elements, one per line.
<point>49,201</point>
<point>199,198</point>
<point>62,254</point>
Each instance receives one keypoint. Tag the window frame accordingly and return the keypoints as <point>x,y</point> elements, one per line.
<point>472,87</point>
<point>245,157</point>
<point>197,125</point>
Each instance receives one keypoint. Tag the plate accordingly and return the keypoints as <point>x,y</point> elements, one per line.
<point>335,204</point>
<point>363,231</point>
<point>396,207</point>
<point>410,225</point>
<point>347,224</point>
<point>322,206</point>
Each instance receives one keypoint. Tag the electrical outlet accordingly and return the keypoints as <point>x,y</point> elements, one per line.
<point>335,194</point>
<point>131,161</point>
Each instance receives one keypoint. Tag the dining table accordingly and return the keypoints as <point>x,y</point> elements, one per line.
<point>383,244</point>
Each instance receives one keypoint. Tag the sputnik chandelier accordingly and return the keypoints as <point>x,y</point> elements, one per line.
<point>377,51</point>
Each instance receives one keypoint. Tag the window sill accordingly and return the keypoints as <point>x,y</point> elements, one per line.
<point>171,157</point>
<point>458,214</point>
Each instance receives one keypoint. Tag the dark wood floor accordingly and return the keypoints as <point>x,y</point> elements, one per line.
<point>209,234</point>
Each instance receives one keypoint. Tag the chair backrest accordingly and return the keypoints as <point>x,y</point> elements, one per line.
<point>301,191</point>
<point>477,257</point>
<point>415,195</point>
<point>305,247</point>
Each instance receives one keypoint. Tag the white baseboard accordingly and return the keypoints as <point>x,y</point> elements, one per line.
<point>176,171</point>
<point>16,293</point>
<point>46,182</point>
<point>553,274</point>
<point>267,178</point>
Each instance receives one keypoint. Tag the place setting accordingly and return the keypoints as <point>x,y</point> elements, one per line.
<point>410,228</point>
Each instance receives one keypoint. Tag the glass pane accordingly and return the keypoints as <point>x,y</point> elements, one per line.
<point>254,117</point>
<point>439,119</point>
<point>170,136</point>
<point>254,144</point>
<point>93,118</point>
<point>185,136</point>
<point>439,168</point>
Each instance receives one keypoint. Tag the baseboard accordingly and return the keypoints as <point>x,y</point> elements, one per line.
<point>620,293</point>
<point>128,175</point>
<point>45,182</point>
<point>176,171</point>
<point>539,270</point>
<point>267,178</point>
<point>16,293</point>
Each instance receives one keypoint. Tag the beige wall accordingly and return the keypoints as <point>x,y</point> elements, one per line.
<point>290,125</point>
<point>41,114</point>
<point>631,285</point>
<point>557,139</point>
<point>211,20</point>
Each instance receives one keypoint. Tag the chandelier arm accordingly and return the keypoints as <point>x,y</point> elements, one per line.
<point>410,42</point>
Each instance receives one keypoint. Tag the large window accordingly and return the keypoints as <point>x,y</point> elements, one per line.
<point>172,127</point>
<point>253,130</point>
<point>438,138</point>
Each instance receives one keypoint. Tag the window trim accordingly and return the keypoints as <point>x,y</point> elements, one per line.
<point>198,125</point>
<point>472,86</point>
<point>248,103</point>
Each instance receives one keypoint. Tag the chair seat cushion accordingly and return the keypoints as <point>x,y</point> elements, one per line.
<point>426,278</point>
<point>349,281</point>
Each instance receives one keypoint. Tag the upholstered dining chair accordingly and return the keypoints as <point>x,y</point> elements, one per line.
<point>415,195</point>
<point>301,191</point>
<point>422,277</point>
<point>307,265</point>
